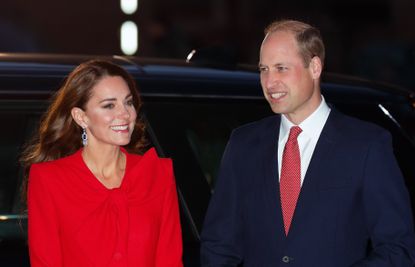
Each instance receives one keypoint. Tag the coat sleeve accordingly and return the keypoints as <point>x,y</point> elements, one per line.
<point>43,231</point>
<point>221,239</point>
<point>169,246</point>
<point>387,209</point>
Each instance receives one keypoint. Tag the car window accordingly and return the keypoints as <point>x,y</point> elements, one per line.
<point>205,125</point>
<point>18,120</point>
<point>18,123</point>
<point>404,115</point>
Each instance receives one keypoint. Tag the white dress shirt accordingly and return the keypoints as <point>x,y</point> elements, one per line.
<point>307,140</point>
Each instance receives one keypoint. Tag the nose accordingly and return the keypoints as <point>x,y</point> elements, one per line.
<point>270,79</point>
<point>124,112</point>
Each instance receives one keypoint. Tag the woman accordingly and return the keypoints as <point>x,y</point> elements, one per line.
<point>90,202</point>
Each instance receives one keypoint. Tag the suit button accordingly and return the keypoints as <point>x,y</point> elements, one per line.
<point>286,259</point>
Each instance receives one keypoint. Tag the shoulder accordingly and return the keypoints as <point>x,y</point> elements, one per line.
<point>354,129</point>
<point>260,124</point>
<point>54,165</point>
<point>150,165</point>
<point>51,172</point>
<point>149,157</point>
<point>257,128</point>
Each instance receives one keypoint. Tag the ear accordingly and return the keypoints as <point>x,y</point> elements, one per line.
<point>316,67</point>
<point>79,117</point>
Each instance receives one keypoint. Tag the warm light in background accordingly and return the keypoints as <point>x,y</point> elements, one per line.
<point>129,30</point>
<point>129,6</point>
<point>129,38</point>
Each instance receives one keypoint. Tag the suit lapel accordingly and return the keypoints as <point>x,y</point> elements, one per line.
<point>321,154</point>
<point>270,175</point>
<point>313,177</point>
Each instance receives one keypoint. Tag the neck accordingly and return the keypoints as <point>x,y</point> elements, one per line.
<point>107,164</point>
<point>303,113</point>
<point>102,156</point>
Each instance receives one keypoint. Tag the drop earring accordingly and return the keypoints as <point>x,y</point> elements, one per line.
<point>84,137</point>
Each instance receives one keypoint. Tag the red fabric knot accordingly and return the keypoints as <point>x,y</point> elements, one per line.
<point>290,181</point>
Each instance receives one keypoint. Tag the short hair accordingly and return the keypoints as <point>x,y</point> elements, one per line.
<point>309,40</point>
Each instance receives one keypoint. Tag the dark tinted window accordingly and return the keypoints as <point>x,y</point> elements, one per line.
<point>205,126</point>
<point>18,119</point>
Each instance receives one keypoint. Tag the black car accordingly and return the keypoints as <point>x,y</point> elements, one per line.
<point>190,110</point>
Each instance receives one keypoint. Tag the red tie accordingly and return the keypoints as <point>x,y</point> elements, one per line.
<point>290,181</point>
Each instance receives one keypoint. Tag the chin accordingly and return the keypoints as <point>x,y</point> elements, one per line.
<point>122,142</point>
<point>125,143</point>
<point>277,110</point>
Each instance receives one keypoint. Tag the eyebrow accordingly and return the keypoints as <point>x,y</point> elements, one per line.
<point>114,99</point>
<point>107,100</point>
<point>273,65</point>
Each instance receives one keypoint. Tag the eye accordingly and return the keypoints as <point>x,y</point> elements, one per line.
<point>262,69</point>
<point>281,68</point>
<point>130,102</point>
<point>108,106</point>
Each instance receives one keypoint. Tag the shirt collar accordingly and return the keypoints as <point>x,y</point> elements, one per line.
<point>312,125</point>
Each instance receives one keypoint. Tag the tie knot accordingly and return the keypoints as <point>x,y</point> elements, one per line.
<point>294,132</point>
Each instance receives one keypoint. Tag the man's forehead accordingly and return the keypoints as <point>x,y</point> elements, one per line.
<point>285,38</point>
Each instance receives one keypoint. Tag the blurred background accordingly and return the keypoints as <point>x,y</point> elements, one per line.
<point>369,38</point>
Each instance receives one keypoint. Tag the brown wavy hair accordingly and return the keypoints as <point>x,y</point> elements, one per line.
<point>58,134</point>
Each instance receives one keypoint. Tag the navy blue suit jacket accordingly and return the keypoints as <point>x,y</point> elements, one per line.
<point>353,208</point>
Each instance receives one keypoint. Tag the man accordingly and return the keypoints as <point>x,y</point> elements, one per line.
<point>310,186</point>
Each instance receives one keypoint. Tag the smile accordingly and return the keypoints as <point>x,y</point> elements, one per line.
<point>119,127</point>
<point>277,95</point>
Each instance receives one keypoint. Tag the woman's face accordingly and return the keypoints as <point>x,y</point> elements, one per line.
<point>109,114</point>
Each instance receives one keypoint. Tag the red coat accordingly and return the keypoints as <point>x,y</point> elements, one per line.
<point>75,221</point>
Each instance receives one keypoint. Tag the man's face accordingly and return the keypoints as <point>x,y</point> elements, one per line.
<point>289,87</point>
